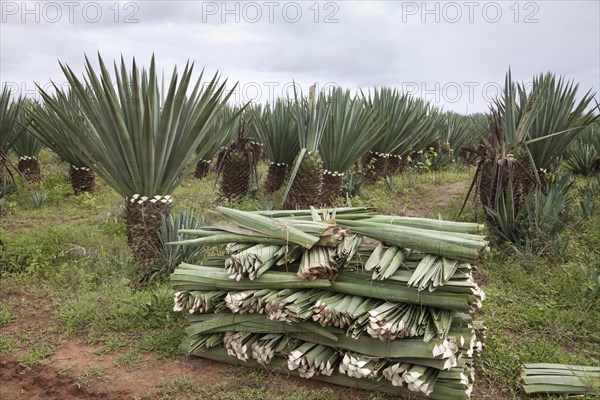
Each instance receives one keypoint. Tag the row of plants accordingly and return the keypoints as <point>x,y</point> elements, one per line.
<point>143,139</point>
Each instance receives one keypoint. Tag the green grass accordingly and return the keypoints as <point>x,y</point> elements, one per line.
<point>253,384</point>
<point>8,346</point>
<point>173,390</point>
<point>70,260</point>
<point>6,317</point>
<point>31,344</point>
<point>537,311</point>
<point>36,354</point>
<point>432,195</point>
<point>88,375</point>
<point>238,383</point>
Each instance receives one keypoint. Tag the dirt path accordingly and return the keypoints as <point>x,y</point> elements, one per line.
<point>61,377</point>
<point>64,375</point>
<point>436,199</point>
<point>77,370</point>
<point>19,382</point>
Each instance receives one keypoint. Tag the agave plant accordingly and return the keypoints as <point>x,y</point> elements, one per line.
<point>352,129</point>
<point>209,148</point>
<point>583,155</point>
<point>429,129</point>
<point>237,163</point>
<point>10,129</point>
<point>505,160</point>
<point>539,222</point>
<point>561,118</point>
<point>306,179</point>
<point>459,131</point>
<point>48,127</point>
<point>39,197</point>
<point>411,124</point>
<point>26,146</point>
<point>141,140</point>
<point>173,255</point>
<point>526,139</point>
<point>276,129</point>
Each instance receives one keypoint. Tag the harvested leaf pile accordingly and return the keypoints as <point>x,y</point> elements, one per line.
<point>339,295</point>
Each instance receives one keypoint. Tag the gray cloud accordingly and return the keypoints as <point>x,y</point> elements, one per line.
<point>447,52</point>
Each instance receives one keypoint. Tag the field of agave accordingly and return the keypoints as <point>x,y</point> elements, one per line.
<point>335,258</point>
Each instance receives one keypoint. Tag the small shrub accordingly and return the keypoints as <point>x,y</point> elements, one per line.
<point>589,193</point>
<point>537,226</point>
<point>430,161</point>
<point>353,183</point>
<point>583,159</point>
<point>5,190</point>
<point>593,281</point>
<point>39,197</point>
<point>389,183</point>
<point>587,206</point>
<point>173,255</point>
<point>583,156</point>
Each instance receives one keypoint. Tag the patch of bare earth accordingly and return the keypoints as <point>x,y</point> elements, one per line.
<point>136,379</point>
<point>43,382</point>
<point>150,374</point>
<point>484,391</point>
<point>59,377</point>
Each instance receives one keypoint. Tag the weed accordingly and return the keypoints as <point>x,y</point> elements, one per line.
<point>39,197</point>
<point>6,317</point>
<point>88,375</point>
<point>8,345</point>
<point>253,384</point>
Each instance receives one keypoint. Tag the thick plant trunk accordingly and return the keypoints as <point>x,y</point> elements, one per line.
<point>256,150</point>
<point>306,188</point>
<point>29,167</point>
<point>235,174</point>
<point>221,156</point>
<point>143,219</point>
<point>276,177</point>
<point>396,164</point>
<point>83,179</point>
<point>468,157</point>
<point>512,174</point>
<point>202,169</point>
<point>445,149</point>
<point>404,164</point>
<point>393,165</point>
<point>376,167</point>
<point>381,165</point>
<point>333,183</point>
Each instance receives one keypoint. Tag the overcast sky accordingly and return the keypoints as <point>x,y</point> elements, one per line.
<point>454,54</point>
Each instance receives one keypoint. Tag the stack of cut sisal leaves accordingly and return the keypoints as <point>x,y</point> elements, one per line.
<point>339,295</point>
<point>561,379</point>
